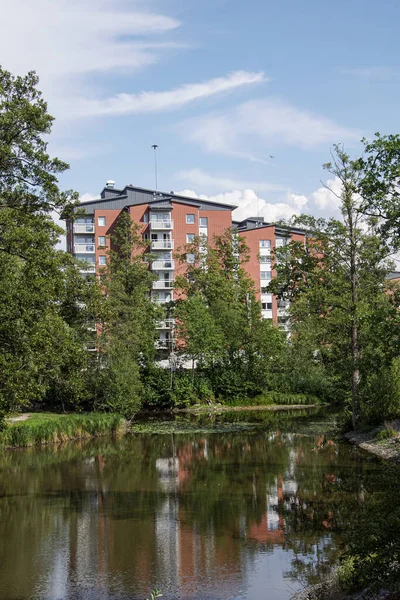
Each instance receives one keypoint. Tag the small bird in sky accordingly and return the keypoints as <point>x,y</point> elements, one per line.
<point>271,156</point>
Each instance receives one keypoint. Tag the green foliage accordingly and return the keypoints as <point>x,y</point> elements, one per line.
<point>117,384</point>
<point>345,573</point>
<point>387,433</point>
<point>275,398</point>
<point>155,594</point>
<point>220,324</point>
<point>128,333</point>
<point>372,557</point>
<point>49,429</point>
<point>342,319</point>
<point>188,390</point>
<point>40,349</point>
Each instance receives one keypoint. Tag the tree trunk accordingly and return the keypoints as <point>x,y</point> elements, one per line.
<point>355,350</point>
<point>355,378</point>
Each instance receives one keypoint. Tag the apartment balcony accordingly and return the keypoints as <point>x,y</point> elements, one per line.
<point>163,284</point>
<point>166,324</point>
<point>91,347</point>
<point>84,228</point>
<point>283,308</point>
<point>89,269</point>
<point>162,265</point>
<point>164,225</point>
<point>84,248</point>
<point>161,300</point>
<point>162,245</point>
<point>164,344</point>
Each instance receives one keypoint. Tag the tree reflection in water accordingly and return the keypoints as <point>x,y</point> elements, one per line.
<point>199,515</point>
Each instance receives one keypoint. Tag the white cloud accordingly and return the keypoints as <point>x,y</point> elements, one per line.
<point>298,200</point>
<point>87,197</point>
<point>326,198</point>
<point>145,102</point>
<point>369,73</point>
<point>77,36</point>
<point>263,124</point>
<point>197,177</point>
<point>249,204</point>
<point>66,41</point>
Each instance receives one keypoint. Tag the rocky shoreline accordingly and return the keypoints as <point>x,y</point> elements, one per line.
<point>387,449</point>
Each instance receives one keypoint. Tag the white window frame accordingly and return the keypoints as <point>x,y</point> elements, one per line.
<point>100,222</point>
<point>201,224</point>
<point>266,275</point>
<point>188,221</point>
<point>102,237</point>
<point>100,260</point>
<point>190,238</point>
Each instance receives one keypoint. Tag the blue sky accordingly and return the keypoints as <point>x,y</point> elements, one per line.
<point>219,85</point>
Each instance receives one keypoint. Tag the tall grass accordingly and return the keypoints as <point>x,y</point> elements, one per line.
<point>51,429</point>
<point>274,399</point>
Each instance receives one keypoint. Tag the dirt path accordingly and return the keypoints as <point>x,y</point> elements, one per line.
<point>19,418</point>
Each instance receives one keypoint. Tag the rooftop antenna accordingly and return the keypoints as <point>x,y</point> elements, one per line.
<point>154,146</point>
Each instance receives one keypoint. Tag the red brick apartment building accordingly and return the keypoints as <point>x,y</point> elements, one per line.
<point>169,221</point>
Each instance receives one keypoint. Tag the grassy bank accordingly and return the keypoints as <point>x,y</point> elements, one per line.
<point>275,399</point>
<point>47,428</point>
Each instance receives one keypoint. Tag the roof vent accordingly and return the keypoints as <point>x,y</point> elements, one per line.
<point>110,183</point>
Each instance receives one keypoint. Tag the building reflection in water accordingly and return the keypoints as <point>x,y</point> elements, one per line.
<point>190,514</point>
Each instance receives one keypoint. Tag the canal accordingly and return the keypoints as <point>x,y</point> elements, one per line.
<point>242,506</point>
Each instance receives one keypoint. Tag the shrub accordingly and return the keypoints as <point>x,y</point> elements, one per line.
<point>52,429</point>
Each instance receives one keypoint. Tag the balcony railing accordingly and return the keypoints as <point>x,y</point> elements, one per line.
<point>84,228</point>
<point>84,248</point>
<point>89,269</point>
<point>162,245</point>
<point>161,300</point>
<point>161,265</point>
<point>161,225</point>
<point>167,324</point>
<point>164,344</point>
<point>163,284</point>
<point>91,347</point>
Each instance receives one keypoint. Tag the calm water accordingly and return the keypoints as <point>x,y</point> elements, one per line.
<point>253,513</point>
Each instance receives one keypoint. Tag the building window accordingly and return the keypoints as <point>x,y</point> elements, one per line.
<point>102,241</point>
<point>102,260</point>
<point>265,275</point>
<point>281,242</point>
<point>146,217</point>
<point>101,221</point>
<point>203,222</point>
<point>190,219</point>
<point>266,305</point>
<point>190,258</point>
<point>265,259</point>
<point>265,243</point>
<point>189,238</point>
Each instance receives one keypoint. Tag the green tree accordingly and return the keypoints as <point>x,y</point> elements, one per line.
<point>336,286</point>
<point>197,331</point>
<point>128,330</point>
<point>35,338</point>
<point>243,349</point>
